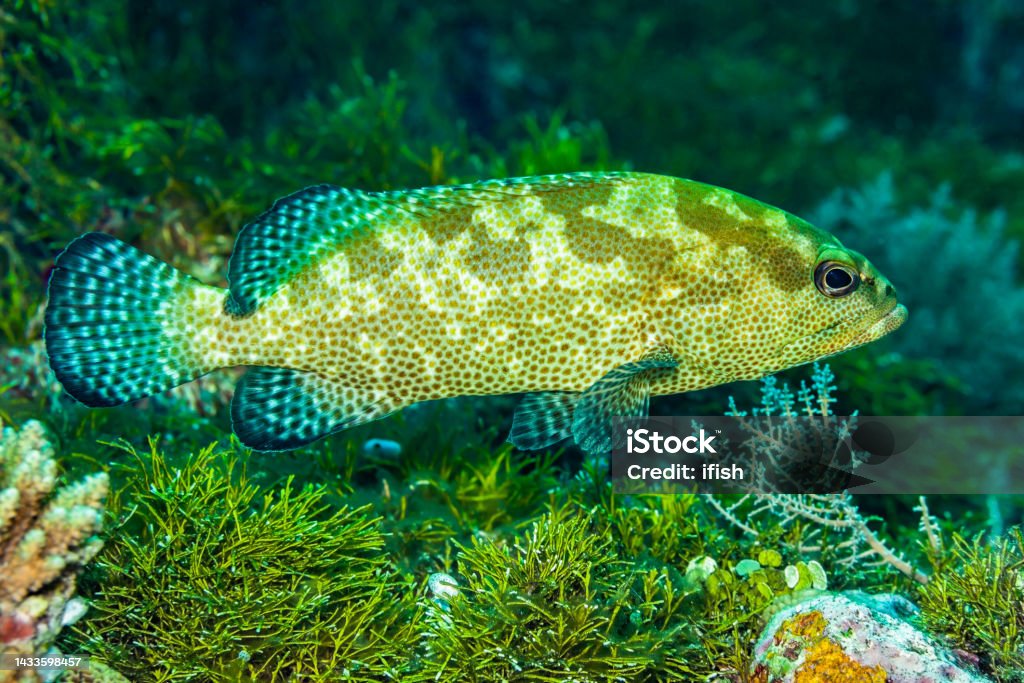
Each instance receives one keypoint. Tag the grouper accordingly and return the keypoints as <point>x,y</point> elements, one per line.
<point>588,292</point>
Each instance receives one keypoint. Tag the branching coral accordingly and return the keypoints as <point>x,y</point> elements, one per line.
<point>792,435</point>
<point>44,541</point>
<point>853,545</point>
<point>834,525</point>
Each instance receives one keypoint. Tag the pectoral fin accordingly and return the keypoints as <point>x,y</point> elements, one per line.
<point>623,392</point>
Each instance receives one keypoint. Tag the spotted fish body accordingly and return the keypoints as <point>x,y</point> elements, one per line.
<point>591,292</point>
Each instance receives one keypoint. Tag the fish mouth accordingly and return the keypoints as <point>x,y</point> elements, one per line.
<point>892,318</point>
<point>890,321</point>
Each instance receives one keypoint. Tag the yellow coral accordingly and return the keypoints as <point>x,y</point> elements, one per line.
<point>809,625</point>
<point>824,660</point>
<point>827,663</point>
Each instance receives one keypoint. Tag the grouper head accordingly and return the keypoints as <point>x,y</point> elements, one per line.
<point>767,290</point>
<point>850,304</point>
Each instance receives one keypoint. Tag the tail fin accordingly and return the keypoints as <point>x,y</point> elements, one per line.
<point>107,330</point>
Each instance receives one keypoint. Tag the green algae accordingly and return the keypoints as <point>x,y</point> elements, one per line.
<point>208,576</point>
<point>976,597</point>
<point>552,577</point>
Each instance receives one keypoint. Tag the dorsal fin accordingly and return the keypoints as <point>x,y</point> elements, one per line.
<point>474,194</point>
<point>282,241</point>
<point>305,226</point>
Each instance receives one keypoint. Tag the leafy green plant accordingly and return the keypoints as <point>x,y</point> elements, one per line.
<point>556,603</point>
<point>976,597</point>
<point>206,576</point>
<point>667,530</point>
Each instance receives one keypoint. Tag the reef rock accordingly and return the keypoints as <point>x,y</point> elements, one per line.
<point>853,638</point>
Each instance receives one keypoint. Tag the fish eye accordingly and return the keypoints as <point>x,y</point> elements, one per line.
<point>834,279</point>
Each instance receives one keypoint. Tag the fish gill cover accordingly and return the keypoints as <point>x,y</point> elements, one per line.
<point>423,545</point>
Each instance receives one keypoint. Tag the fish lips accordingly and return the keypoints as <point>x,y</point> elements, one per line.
<point>891,320</point>
<point>888,321</point>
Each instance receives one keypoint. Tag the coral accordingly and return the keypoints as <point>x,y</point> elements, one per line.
<point>836,528</point>
<point>851,638</point>
<point>46,537</point>
<point>789,434</point>
<point>851,542</point>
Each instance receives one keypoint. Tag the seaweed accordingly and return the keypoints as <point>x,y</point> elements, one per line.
<point>976,597</point>
<point>206,575</point>
<point>556,603</point>
<point>448,559</point>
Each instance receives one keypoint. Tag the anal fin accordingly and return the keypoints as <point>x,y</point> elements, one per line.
<point>623,391</point>
<point>277,409</point>
<point>543,419</point>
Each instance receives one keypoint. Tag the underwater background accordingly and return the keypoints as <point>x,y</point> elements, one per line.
<point>422,546</point>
